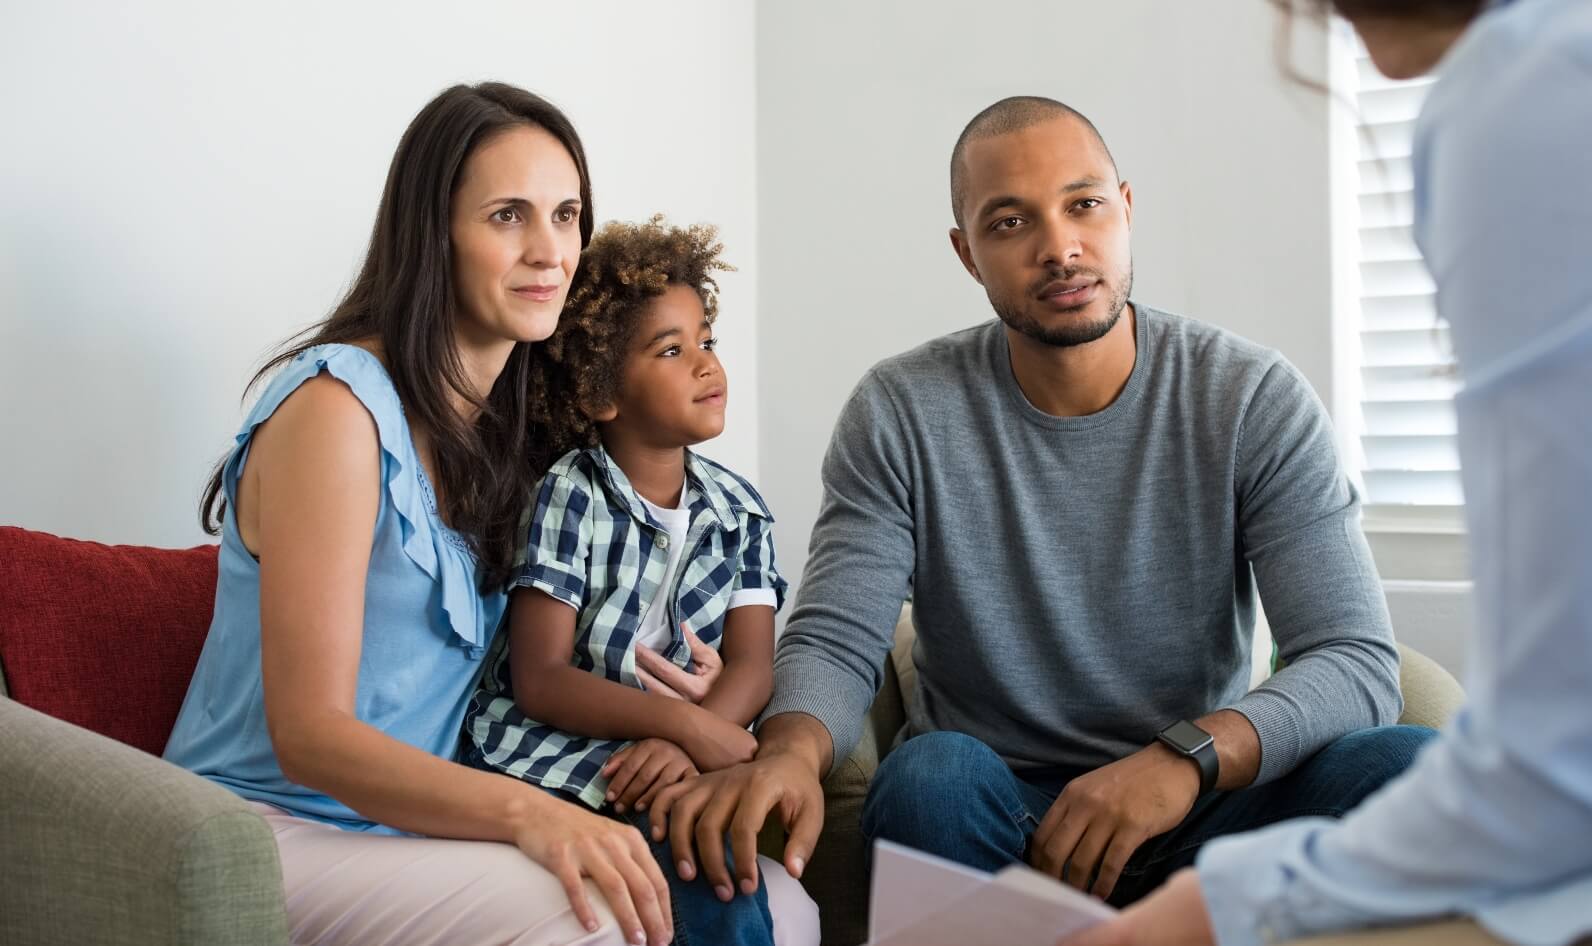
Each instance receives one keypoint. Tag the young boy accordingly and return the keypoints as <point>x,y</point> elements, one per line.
<point>635,540</point>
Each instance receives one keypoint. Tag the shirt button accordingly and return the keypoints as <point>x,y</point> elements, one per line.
<point>663,542</point>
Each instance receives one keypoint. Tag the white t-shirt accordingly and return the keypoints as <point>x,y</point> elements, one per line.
<point>655,631</point>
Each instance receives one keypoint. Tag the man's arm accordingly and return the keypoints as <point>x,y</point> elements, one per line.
<point>1299,527</point>
<point>1101,818</point>
<point>830,661</point>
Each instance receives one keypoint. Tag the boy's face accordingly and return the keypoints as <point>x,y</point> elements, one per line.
<point>672,390</point>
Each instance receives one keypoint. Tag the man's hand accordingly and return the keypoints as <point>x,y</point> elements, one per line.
<point>642,769</point>
<point>1102,818</point>
<point>1175,915</point>
<point>698,813</point>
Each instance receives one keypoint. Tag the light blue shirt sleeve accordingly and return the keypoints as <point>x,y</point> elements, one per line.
<point>1494,820</point>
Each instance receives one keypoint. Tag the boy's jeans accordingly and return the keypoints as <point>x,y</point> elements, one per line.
<point>700,918</point>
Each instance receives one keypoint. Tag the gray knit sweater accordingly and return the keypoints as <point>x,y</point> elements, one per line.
<point>1079,583</point>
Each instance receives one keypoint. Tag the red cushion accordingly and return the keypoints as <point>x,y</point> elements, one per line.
<point>104,636</point>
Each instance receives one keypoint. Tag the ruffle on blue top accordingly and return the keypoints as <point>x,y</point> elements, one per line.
<point>437,550</point>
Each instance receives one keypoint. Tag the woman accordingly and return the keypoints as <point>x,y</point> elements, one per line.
<point>368,515</point>
<point>1494,821</point>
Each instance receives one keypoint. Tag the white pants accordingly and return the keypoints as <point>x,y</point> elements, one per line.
<point>345,888</point>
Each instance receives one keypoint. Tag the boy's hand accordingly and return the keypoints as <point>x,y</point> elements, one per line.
<point>640,770</point>
<point>662,676</point>
<point>714,742</point>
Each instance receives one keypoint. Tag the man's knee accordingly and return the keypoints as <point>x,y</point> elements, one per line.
<point>1385,749</point>
<point>932,784</point>
<point>1360,763</point>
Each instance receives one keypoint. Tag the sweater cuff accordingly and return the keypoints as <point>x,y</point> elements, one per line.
<point>801,690</point>
<point>1276,722</point>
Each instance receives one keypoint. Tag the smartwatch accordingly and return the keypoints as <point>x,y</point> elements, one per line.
<point>1192,742</point>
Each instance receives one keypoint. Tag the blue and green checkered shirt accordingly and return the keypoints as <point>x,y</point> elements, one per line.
<point>594,546</point>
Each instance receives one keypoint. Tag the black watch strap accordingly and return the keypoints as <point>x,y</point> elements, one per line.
<point>1194,743</point>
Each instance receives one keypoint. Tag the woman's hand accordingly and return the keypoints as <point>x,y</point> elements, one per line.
<point>574,843</point>
<point>642,769</point>
<point>662,676</point>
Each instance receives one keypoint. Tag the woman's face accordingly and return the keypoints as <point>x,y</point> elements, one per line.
<point>516,236</point>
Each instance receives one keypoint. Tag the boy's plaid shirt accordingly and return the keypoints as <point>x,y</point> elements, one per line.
<point>594,546</point>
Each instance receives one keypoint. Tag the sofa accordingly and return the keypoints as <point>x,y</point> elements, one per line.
<point>101,841</point>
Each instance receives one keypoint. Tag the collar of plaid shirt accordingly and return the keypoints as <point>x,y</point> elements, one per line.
<point>698,478</point>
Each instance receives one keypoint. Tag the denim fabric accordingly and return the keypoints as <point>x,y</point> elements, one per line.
<point>700,918</point>
<point>950,795</point>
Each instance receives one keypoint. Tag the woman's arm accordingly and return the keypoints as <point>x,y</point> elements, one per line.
<point>747,681</point>
<point>310,492</point>
<point>549,689</point>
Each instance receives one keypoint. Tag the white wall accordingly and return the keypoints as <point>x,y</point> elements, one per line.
<point>860,104</point>
<point>184,184</point>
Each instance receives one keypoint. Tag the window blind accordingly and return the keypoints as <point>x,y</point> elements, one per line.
<point>1410,457</point>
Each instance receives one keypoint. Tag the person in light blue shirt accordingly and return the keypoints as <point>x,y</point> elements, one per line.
<point>1493,823</point>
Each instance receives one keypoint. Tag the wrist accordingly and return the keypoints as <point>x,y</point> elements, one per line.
<point>525,808</point>
<point>1197,748</point>
<point>1180,769</point>
<point>791,736</point>
<point>678,721</point>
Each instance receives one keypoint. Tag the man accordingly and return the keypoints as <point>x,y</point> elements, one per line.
<point>1081,499</point>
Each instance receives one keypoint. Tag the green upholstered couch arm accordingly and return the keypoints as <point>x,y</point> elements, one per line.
<point>102,843</point>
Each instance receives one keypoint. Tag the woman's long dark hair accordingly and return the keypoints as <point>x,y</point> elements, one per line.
<point>1436,12</point>
<point>1441,12</point>
<point>404,296</point>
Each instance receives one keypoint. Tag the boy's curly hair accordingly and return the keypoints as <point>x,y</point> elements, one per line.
<point>576,371</point>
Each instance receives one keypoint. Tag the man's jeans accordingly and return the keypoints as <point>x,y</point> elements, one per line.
<point>950,795</point>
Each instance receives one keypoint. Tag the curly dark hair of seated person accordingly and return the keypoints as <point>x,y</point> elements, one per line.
<point>576,371</point>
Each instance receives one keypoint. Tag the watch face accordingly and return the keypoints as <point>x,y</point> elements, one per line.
<point>1186,736</point>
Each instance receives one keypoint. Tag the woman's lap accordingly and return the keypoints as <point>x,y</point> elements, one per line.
<point>344,887</point>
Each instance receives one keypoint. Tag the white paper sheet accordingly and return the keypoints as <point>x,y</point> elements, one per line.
<point>922,900</point>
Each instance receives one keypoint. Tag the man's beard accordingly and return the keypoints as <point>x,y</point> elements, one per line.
<point>1072,333</point>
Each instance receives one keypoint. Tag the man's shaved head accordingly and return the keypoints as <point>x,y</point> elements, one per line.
<point>1003,118</point>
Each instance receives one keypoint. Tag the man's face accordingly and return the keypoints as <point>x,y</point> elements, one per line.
<point>1046,231</point>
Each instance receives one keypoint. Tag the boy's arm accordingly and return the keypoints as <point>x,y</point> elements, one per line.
<point>747,680</point>
<point>549,689</point>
